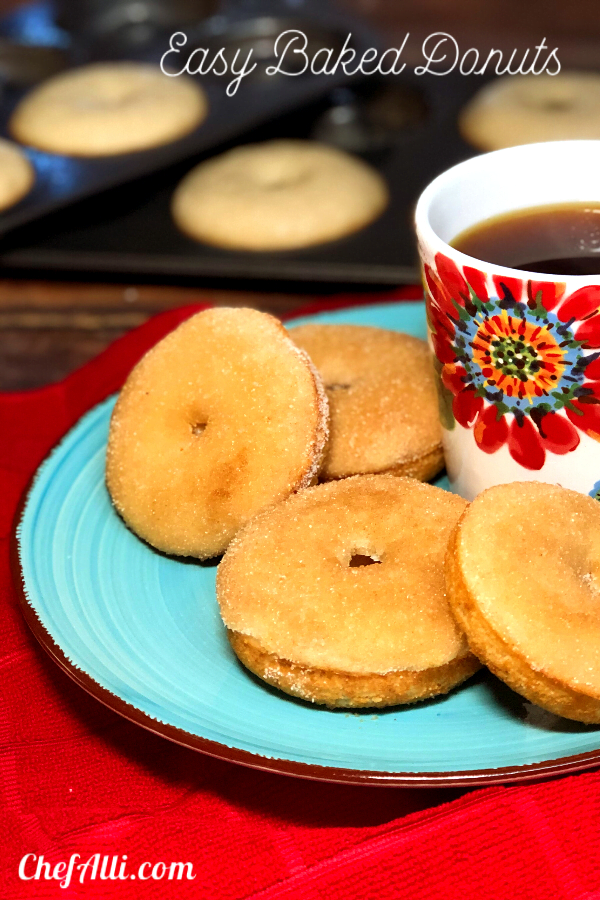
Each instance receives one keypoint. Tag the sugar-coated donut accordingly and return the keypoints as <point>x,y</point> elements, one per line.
<point>16,174</point>
<point>523,573</point>
<point>107,108</point>
<point>304,617</point>
<point>278,196</point>
<point>382,400</point>
<point>220,419</point>
<point>526,109</point>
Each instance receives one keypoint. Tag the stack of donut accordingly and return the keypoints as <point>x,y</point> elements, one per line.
<point>370,588</point>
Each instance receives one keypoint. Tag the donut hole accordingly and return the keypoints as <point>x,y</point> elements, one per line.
<point>557,104</point>
<point>277,178</point>
<point>362,559</point>
<point>559,100</point>
<point>107,100</point>
<point>282,182</point>
<point>199,428</point>
<point>359,554</point>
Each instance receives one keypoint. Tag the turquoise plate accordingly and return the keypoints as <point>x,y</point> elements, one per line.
<point>142,632</point>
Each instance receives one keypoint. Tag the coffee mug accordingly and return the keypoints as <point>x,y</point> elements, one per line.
<point>517,353</point>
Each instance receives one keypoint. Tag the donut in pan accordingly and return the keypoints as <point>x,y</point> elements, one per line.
<point>279,195</point>
<point>523,573</point>
<point>382,400</point>
<point>526,109</point>
<point>108,108</point>
<point>337,595</point>
<point>220,419</point>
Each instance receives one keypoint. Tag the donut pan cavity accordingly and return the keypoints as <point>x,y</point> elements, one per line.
<point>403,125</point>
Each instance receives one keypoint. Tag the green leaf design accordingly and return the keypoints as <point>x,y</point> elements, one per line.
<point>445,398</point>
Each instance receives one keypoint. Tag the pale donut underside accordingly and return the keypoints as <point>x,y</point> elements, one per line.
<point>347,690</point>
<point>279,195</point>
<point>108,108</point>
<point>527,109</point>
<point>523,570</point>
<point>302,615</point>
<point>382,400</point>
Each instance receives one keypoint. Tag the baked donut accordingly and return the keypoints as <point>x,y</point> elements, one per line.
<point>107,108</point>
<point>527,109</point>
<point>523,574</point>
<point>16,174</point>
<point>382,400</point>
<point>220,419</point>
<point>306,612</point>
<point>278,196</point>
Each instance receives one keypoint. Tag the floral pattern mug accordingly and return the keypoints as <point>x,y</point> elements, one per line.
<point>517,353</point>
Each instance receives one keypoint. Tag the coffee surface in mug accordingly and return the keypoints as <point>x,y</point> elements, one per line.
<point>562,239</point>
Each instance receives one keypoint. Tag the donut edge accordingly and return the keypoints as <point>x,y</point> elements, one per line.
<point>201,235</point>
<point>321,439</point>
<point>422,468</point>
<point>505,661</point>
<point>346,690</point>
<point>474,118</point>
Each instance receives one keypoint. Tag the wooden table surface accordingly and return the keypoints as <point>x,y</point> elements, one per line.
<point>49,328</point>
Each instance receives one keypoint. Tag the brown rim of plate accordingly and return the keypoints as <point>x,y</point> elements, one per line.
<point>468,777</point>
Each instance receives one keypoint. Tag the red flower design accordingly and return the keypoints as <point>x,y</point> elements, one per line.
<point>517,358</point>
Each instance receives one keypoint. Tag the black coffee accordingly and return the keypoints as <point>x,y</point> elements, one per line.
<point>563,239</point>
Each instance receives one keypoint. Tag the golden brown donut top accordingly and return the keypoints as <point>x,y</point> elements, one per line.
<point>529,554</point>
<point>286,580</point>
<point>221,418</point>
<point>382,396</point>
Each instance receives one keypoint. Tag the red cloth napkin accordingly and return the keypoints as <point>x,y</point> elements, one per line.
<point>77,779</point>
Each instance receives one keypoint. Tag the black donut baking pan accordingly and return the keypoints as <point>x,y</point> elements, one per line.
<point>403,125</point>
<point>34,32</point>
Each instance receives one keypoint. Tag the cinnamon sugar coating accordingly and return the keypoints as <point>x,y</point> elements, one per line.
<point>523,571</point>
<point>301,617</point>
<point>382,399</point>
<point>222,418</point>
